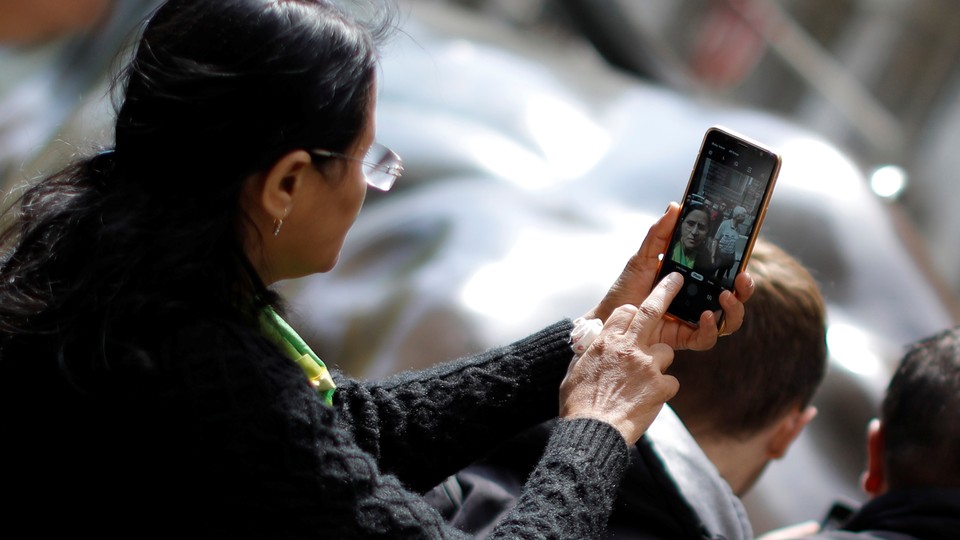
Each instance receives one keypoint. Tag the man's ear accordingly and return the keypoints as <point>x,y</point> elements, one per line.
<point>788,430</point>
<point>874,480</point>
<point>281,183</point>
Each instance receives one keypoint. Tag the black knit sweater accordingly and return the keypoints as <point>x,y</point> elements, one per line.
<point>204,429</point>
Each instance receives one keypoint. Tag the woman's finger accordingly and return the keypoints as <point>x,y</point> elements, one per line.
<point>651,312</point>
<point>619,321</point>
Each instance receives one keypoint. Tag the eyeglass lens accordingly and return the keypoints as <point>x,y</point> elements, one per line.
<point>381,166</point>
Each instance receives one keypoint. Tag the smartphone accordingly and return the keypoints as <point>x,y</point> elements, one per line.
<point>720,216</point>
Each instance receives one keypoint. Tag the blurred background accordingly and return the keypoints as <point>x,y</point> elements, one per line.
<point>542,137</point>
<point>879,78</point>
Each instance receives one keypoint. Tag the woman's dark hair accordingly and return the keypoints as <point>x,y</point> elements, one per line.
<point>216,90</point>
<point>694,206</point>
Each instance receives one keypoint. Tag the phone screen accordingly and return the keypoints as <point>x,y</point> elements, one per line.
<point>720,217</point>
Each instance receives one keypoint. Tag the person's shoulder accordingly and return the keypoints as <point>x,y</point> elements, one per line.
<point>183,328</point>
<point>649,495</point>
<point>197,342</point>
<point>211,331</point>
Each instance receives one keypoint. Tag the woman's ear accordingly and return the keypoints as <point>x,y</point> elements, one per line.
<point>282,182</point>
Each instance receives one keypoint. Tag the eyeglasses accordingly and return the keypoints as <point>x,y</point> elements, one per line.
<point>381,165</point>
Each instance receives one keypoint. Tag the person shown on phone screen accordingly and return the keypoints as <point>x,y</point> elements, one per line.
<point>913,454</point>
<point>725,242</point>
<point>713,208</point>
<point>691,247</point>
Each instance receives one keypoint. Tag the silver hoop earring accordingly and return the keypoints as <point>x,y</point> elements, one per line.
<point>277,223</point>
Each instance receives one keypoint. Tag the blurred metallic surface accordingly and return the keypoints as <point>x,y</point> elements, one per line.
<point>879,78</point>
<point>533,171</point>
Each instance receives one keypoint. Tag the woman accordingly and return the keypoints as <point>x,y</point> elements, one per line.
<point>690,249</point>
<point>152,389</point>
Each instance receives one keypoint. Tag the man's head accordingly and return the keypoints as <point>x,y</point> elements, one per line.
<point>916,442</point>
<point>753,389</point>
<point>739,214</point>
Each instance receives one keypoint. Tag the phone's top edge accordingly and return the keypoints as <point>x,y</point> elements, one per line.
<point>737,135</point>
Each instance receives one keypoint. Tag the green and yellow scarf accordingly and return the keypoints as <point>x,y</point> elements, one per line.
<point>277,329</point>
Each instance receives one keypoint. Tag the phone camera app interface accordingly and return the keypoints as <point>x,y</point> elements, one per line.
<point>725,197</point>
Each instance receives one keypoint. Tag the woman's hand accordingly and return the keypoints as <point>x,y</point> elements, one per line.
<point>636,281</point>
<point>620,377</point>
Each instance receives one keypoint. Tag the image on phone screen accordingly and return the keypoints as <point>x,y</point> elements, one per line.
<point>720,216</point>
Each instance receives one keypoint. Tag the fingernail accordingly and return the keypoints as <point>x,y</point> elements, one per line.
<point>675,278</point>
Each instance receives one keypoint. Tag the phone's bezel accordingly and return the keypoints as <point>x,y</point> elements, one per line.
<point>761,212</point>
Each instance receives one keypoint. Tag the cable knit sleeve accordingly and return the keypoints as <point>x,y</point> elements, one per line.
<point>278,463</point>
<point>571,491</point>
<point>425,425</point>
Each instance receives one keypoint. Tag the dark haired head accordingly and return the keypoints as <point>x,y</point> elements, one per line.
<point>691,208</point>
<point>921,415</point>
<point>216,90</point>
<point>775,361</point>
